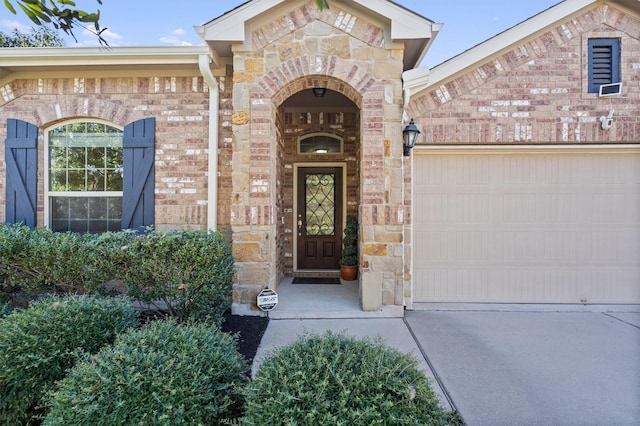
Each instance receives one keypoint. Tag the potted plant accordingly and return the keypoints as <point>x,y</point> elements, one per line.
<point>349,259</point>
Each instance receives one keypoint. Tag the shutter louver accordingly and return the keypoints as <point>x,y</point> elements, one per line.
<point>21,157</point>
<point>604,63</point>
<point>139,175</point>
<point>601,64</point>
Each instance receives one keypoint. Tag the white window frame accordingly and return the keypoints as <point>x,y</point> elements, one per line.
<point>69,194</point>
<point>314,134</point>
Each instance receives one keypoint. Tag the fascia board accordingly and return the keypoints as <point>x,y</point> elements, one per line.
<point>494,45</point>
<point>48,56</point>
<point>404,23</point>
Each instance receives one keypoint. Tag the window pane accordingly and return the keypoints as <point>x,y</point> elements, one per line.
<point>320,144</point>
<point>95,180</point>
<point>77,157</point>
<point>58,181</point>
<point>114,180</point>
<point>114,158</point>
<point>86,214</point>
<point>85,157</point>
<point>115,207</point>
<point>96,157</point>
<point>76,180</point>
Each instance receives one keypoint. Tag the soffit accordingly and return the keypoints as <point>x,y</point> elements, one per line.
<point>400,24</point>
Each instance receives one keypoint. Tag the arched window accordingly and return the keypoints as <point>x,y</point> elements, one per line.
<point>320,143</point>
<point>83,181</point>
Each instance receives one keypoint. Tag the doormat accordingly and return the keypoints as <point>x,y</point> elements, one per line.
<point>324,280</point>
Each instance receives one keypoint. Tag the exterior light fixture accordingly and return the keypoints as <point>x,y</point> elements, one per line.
<point>319,92</point>
<point>409,136</point>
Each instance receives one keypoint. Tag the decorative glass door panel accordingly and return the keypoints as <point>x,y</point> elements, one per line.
<point>319,217</point>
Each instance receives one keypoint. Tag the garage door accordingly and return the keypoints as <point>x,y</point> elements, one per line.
<point>526,226</point>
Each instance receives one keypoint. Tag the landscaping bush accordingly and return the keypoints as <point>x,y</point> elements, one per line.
<point>191,272</point>
<point>37,261</point>
<point>334,379</point>
<point>39,345</point>
<point>162,374</point>
<point>14,251</point>
<point>4,309</point>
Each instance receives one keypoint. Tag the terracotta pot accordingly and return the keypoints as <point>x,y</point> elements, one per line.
<point>349,273</point>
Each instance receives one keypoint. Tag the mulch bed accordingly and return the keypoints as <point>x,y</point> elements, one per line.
<point>248,330</point>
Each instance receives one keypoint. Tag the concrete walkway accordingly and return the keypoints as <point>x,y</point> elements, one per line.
<point>510,367</point>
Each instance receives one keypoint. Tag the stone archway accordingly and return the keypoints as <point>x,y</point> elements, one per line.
<point>257,215</point>
<point>300,115</point>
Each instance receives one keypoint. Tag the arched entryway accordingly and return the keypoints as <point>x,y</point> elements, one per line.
<point>262,209</point>
<point>319,138</point>
<point>318,131</point>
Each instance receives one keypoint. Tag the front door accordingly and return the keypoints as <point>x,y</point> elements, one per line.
<point>319,221</point>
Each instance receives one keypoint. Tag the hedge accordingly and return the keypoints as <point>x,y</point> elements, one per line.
<point>189,272</point>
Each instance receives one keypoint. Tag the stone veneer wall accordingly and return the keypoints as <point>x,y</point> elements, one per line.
<point>300,50</point>
<point>179,104</point>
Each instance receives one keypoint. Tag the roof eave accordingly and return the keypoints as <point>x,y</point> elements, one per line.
<point>70,56</point>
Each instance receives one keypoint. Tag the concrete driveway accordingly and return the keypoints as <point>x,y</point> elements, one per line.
<point>535,368</point>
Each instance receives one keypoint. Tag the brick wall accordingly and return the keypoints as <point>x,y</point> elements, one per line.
<point>179,104</point>
<point>536,91</point>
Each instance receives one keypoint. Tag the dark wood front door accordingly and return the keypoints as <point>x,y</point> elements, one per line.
<point>319,221</point>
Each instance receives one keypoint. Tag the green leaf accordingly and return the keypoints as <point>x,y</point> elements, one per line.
<point>10,6</point>
<point>322,4</point>
<point>30,14</point>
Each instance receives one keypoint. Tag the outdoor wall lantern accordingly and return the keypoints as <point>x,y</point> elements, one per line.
<point>319,91</point>
<point>409,136</point>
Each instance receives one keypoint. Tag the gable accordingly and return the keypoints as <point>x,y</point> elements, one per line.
<point>258,23</point>
<point>536,90</point>
<point>529,40</point>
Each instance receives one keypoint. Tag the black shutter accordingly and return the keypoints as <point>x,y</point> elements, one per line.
<point>139,176</point>
<point>21,157</point>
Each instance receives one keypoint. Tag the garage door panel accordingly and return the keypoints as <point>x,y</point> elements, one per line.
<point>527,228</point>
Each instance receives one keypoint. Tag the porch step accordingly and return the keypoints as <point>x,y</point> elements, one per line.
<point>385,312</point>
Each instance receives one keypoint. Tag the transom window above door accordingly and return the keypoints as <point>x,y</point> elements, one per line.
<point>320,143</point>
<point>85,171</point>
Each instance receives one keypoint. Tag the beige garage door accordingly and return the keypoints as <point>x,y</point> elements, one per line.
<point>534,226</point>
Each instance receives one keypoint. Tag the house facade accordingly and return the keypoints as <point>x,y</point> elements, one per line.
<point>288,119</point>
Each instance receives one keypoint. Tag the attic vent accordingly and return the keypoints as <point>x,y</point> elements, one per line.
<point>604,62</point>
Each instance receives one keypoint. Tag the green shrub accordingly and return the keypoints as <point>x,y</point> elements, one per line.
<point>4,309</point>
<point>191,272</point>
<point>41,261</point>
<point>51,261</point>
<point>14,252</point>
<point>39,345</point>
<point>162,374</point>
<point>334,379</point>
